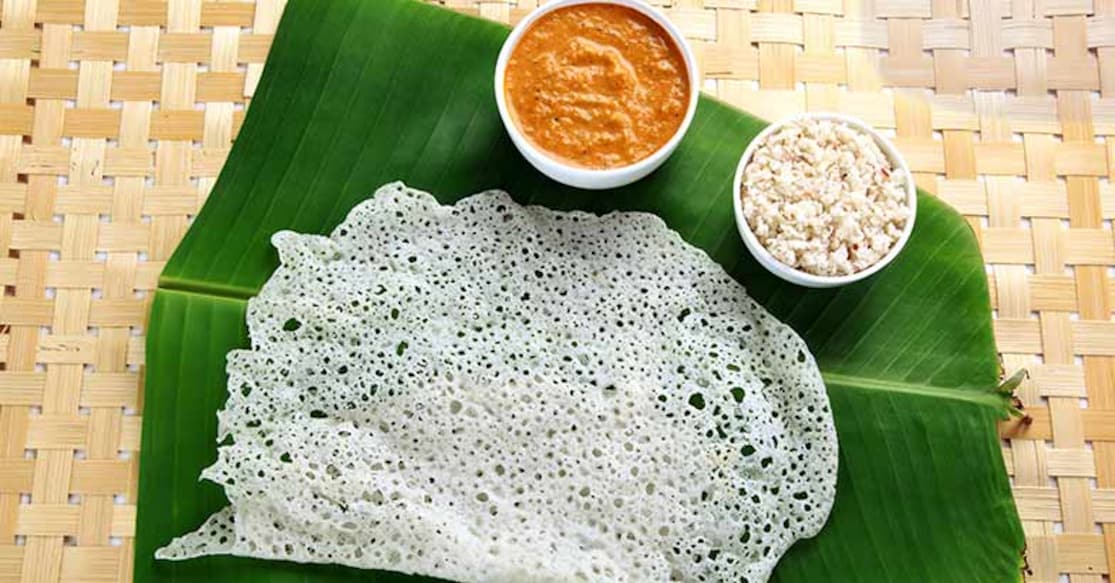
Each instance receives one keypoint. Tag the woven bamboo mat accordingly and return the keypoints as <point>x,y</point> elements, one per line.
<point>115,117</point>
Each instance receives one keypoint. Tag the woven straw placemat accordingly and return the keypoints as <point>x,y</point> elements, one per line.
<point>115,117</point>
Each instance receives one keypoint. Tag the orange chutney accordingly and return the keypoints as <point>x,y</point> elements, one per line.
<point>597,85</point>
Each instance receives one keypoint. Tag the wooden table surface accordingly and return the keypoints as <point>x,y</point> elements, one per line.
<point>115,117</point>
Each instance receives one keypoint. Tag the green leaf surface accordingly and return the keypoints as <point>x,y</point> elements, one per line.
<point>357,93</point>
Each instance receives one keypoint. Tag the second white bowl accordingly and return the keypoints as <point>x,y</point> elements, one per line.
<point>798,276</point>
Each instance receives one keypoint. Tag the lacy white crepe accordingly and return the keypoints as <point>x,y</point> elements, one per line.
<point>491,392</point>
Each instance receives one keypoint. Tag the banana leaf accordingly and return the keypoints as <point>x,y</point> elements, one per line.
<point>357,93</point>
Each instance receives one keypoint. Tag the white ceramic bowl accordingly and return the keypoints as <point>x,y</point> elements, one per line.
<point>588,177</point>
<point>797,276</point>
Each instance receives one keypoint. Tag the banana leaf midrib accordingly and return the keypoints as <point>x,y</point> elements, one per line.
<point>205,288</point>
<point>979,395</point>
<point>985,396</point>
